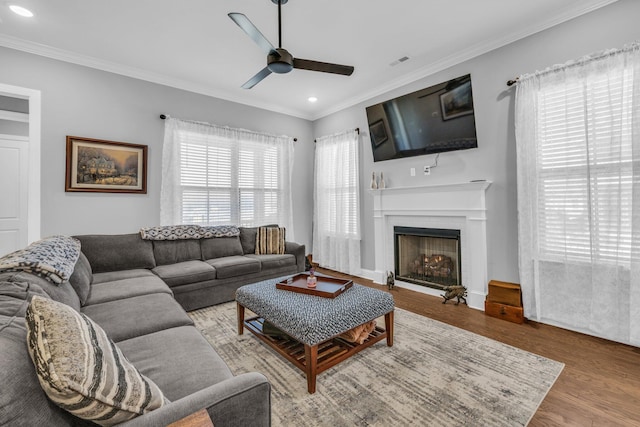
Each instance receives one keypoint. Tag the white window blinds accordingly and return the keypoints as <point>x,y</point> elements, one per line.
<point>578,149</point>
<point>584,161</point>
<point>216,176</point>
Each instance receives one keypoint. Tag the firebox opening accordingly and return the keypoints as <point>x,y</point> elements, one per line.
<point>427,256</point>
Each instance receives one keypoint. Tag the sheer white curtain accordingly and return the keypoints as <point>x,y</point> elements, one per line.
<point>578,153</point>
<point>215,175</point>
<point>336,219</point>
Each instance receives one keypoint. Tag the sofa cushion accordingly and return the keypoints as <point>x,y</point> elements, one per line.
<point>63,292</point>
<point>184,273</point>
<point>126,288</point>
<point>136,316</point>
<point>22,400</point>
<point>218,247</point>
<point>232,266</point>
<point>270,240</point>
<point>117,252</point>
<point>171,252</point>
<point>179,360</point>
<point>274,261</point>
<point>82,370</point>
<point>15,297</point>
<point>112,276</point>
<point>81,278</point>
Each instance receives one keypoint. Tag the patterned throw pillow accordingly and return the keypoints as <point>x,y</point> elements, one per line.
<point>53,258</point>
<point>219,231</point>
<point>82,370</point>
<point>270,240</point>
<point>185,232</point>
<point>171,232</point>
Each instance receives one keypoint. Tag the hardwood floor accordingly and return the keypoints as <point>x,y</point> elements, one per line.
<point>599,386</point>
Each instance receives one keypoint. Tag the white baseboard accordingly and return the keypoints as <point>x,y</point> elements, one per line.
<point>377,277</point>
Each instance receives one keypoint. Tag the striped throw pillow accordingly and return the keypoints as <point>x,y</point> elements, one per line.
<point>82,370</point>
<point>270,240</point>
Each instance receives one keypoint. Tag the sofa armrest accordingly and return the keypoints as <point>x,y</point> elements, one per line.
<point>239,401</point>
<point>298,250</point>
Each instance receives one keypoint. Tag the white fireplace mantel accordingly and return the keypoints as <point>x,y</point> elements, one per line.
<point>458,206</point>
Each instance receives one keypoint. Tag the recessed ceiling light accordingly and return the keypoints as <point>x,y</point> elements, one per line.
<point>312,99</point>
<point>19,10</point>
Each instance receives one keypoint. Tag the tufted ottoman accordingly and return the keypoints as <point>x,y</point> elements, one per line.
<point>314,323</point>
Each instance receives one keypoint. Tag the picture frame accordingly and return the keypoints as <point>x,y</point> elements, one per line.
<point>99,166</point>
<point>378,132</point>
<point>457,102</point>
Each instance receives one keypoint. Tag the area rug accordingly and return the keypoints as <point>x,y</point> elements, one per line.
<point>434,375</point>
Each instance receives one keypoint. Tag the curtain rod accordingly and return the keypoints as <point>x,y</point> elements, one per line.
<point>512,82</point>
<point>164,116</point>
<point>357,130</point>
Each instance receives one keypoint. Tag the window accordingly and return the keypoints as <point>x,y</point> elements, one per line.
<point>577,127</point>
<point>336,233</point>
<point>584,161</point>
<point>226,176</point>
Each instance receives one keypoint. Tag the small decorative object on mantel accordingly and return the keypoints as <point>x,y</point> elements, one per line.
<point>382,183</point>
<point>451,292</point>
<point>374,182</point>
<point>391,280</point>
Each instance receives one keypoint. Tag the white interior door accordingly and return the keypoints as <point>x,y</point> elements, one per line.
<point>14,192</point>
<point>19,167</point>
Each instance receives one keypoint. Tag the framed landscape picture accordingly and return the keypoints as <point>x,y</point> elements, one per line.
<point>98,166</point>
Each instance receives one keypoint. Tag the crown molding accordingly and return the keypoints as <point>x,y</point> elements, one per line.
<point>462,56</point>
<point>137,73</point>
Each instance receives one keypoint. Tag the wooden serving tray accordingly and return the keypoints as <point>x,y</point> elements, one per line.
<point>327,287</point>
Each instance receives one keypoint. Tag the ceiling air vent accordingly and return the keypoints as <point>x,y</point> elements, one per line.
<point>399,60</point>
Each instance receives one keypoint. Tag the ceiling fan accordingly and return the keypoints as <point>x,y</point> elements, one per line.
<point>279,60</point>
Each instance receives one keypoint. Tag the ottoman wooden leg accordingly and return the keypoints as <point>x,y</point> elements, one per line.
<point>240,319</point>
<point>311,363</point>
<point>388,325</point>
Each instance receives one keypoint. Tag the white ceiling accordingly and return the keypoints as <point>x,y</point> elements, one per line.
<point>194,45</point>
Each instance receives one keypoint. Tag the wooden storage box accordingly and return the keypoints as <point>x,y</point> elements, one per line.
<point>505,293</point>
<point>503,311</point>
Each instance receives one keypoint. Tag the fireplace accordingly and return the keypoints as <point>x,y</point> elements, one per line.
<point>427,256</point>
<point>457,206</point>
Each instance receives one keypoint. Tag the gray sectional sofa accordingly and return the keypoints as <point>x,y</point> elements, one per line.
<point>137,291</point>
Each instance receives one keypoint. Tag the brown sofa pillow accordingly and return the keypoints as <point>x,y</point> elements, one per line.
<point>270,240</point>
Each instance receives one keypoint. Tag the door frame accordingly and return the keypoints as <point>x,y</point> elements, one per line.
<point>33,210</point>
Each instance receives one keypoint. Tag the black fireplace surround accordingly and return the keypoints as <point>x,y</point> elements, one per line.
<point>427,256</point>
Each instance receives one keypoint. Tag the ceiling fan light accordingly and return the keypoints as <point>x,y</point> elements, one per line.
<point>312,99</point>
<point>19,10</point>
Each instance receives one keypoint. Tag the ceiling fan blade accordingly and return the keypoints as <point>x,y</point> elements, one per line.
<point>253,32</point>
<point>325,67</point>
<point>257,78</point>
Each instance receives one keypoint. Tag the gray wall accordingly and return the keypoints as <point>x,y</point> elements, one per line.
<point>85,102</point>
<point>494,159</point>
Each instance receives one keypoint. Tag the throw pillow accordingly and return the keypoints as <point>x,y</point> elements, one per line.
<point>82,370</point>
<point>270,240</point>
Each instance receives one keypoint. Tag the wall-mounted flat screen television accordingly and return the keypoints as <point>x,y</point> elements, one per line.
<point>432,120</point>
